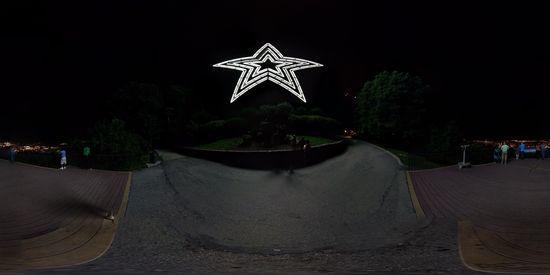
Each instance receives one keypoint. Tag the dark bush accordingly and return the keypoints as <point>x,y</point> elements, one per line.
<point>113,147</point>
<point>247,140</point>
<point>480,154</point>
<point>267,125</point>
<point>119,162</point>
<point>315,125</point>
<point>235,126</point>
<point>212,130</point>
<point>219,129</point>
<point>443,157</point>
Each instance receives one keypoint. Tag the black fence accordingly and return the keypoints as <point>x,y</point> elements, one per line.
<point>433,159</point>
<point>122,162</point>
<point>41,159</point>
<point>474,154</point>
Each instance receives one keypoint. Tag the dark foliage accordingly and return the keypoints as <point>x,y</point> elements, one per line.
<point>392,108</point>
<point>113,147</point>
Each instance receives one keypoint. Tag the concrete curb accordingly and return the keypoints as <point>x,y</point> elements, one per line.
<point>88,243</point>
<point>389,153</point>
<point>120,213</point>
<point>414,199</point>
<point>108,230</point>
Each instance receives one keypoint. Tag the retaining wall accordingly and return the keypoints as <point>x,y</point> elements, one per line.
<point>269,159</point>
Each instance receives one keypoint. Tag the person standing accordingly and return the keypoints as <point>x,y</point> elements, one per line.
<point>497,153</point>
<point>504,148</point>
<point>12,153</point>
<point>86,154</point>
<point>63,155</point>
<point>537,150</point>
<point>521,150</point>
<point>300,142</point>
<point>306,149</point>
<point>542,149</point>
<point>293,141</point>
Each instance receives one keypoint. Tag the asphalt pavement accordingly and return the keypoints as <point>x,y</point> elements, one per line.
<point>351,213</point>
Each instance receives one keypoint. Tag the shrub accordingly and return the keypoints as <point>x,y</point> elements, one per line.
<point>219,129</point>
<point>211,130</point>
<point>315,125</point>
<point>235,126</point>
<point>115,148</point>
<point>479,153</point>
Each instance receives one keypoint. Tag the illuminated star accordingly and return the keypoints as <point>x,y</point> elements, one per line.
<point>254,70</point>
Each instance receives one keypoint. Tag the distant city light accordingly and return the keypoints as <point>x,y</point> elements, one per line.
<point>34,148</point>
<point>513,142</point>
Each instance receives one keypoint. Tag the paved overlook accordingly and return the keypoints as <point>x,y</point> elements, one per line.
<point>502,212</point>
<point>350,213</point>
<point>52,218</point>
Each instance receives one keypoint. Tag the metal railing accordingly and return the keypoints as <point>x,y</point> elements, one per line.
<point>433,159</point>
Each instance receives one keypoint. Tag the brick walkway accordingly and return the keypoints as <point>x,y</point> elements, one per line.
<point>53,218</point>
<point>503,212</point>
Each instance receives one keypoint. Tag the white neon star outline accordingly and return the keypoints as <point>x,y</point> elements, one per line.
<point>252,73</point>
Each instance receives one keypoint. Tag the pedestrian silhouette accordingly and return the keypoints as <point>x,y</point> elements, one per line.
<point>12,153</point>
<point>63,156</point>
<point>504,148</point>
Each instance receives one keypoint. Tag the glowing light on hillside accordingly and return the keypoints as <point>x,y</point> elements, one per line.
<point>252,72</point>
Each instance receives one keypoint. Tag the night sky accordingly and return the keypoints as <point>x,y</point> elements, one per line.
<point>487,63</point>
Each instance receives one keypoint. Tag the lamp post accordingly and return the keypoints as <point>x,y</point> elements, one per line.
<point>464,163</point>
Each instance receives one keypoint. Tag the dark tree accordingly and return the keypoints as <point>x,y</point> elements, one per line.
<point>180,104</point>
<point>114,147</point>
<point>141,106</point>
<point>162,115</point>
<point>391,109</point>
